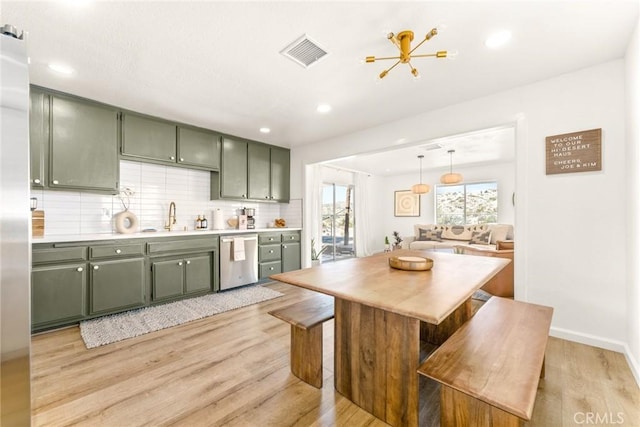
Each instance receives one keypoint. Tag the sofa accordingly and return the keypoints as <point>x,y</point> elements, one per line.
<point>433,236</point>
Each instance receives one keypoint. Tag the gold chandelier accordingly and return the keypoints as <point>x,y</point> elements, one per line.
<point>451,178</point>
<point>420,188</point>
<point>403,42</point>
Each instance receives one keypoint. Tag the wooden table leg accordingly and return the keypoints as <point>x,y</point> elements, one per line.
<point>438,334</point>
<point>377,354</point>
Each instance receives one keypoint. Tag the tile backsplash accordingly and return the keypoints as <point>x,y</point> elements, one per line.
<point>154,188</point>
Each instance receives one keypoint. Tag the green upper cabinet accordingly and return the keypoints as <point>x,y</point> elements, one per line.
<point>150,139</point>
<point>83,146</point>
<point>259,167</point>
<point>252,170</point>
<point>198,148</point>
<point>280,167</point>
<point>38,136</point>
<point>233,179</point>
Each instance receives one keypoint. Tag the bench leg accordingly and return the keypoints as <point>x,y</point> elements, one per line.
<point>460,410</point>
<point>544,363</point>
<point>306,354</point>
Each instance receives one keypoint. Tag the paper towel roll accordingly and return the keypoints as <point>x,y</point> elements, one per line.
<point>218,221</point>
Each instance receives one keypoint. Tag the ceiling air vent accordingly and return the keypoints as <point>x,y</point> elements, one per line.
<point>304,51</point>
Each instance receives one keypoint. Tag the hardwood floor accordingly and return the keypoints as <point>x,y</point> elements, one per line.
<point>232,369</point>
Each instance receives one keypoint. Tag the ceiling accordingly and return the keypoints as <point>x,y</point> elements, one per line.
<point>218,65</point>
<point>481,148</point>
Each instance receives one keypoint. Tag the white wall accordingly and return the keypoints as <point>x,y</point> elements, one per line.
<point>632,80</point>
<point>570,228</point>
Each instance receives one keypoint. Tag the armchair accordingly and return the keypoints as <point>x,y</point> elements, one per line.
<point>501,284</point>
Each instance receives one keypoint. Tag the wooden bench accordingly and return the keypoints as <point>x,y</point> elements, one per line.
<point>306,318</point>
<point>490,368</point>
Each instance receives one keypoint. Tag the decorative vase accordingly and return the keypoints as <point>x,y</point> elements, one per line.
<point>315,262</point>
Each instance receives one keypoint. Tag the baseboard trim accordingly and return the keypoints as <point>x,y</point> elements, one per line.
<point>607,344</point>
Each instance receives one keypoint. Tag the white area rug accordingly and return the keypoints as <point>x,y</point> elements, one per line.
<point>117,327</point>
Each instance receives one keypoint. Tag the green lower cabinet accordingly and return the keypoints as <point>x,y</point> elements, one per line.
<point>198,274</point>
<point>179,276</point>
<point>168,279</point>
<point>266,269</point>
<point>116,285</point>
<point>58,294</point>
<point>290,256</point>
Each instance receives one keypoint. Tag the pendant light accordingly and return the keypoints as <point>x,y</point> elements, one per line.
<point>451,178</point>
<point>420,188</point>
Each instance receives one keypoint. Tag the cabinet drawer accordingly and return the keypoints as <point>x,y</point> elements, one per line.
<point>116,250</point>
<point>269,253</point>
<point>182,245</point>
<point>265,238</point>
<point>291,237</point>
<point>268,268</point>
<point>59,254</point>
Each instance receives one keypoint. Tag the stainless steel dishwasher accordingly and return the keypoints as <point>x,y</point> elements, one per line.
<point>235,271</point>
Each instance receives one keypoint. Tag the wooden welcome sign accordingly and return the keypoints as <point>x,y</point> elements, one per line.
<point>574,152</point>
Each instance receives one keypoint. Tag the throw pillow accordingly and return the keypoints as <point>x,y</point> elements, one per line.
<point>430,235</point>
<point>480,238</point>
<point>457,232</point>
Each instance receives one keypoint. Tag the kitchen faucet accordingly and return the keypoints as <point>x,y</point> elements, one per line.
<point>172,216</point>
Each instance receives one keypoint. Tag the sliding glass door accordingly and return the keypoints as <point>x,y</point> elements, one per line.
<point>338,222</point>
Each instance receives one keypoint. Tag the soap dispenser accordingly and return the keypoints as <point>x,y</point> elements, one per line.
<point>204,224</point>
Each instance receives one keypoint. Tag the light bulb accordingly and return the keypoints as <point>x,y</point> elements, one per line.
<point>452,54</point>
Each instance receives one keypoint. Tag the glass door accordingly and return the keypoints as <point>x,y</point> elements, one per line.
<point>338,222</point>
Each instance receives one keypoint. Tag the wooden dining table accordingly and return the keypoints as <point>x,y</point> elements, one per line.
<point>381,313</point>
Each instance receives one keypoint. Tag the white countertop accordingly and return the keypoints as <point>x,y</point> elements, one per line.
<point>149,235</point>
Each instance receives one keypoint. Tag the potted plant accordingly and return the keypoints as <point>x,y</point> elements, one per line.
<point>397,240</point>
<point>315,255</point>
<point>387,245</point>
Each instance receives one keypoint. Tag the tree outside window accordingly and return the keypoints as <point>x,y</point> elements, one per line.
<point>461,204</point>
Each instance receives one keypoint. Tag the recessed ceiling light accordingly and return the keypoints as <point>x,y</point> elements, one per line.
<point>61,68</point>
<point>323,108</point>
<point>498,39</point>
<point>265,130</point>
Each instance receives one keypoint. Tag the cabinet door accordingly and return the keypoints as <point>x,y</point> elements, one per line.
<point>38,136</point>
<point>116,285</point>
<point>148,138</point>
<point>168,279</point>
<point>290,256</point>
<point>234,169</point>
<point>280,165</point>
<point>84,146</point>
<point>198,274</point>
<point>259,167</point>
<point>58,294</point>
<point>198,148</point>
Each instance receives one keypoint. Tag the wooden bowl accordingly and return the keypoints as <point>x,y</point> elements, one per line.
<point>411,263</point>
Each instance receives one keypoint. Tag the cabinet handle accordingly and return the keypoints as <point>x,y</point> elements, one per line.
<point>271,239</point>
<point>172,157</point>
<point>96,267</point>
<point>36,181</point>
<point>271,268</point>
<point>55,182</point>
<point>118,251</point>
<point>179,262</point>
<point>188,262</point>
<point>80,269</point>
<point>244,196</point>
<point>182,159</point>
<point>271,251</point>
<point>284,246</point>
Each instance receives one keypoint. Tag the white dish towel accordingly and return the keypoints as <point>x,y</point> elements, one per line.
<point>238,249</point>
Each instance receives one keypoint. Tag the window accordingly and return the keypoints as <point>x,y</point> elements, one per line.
<point>467,203</point>
<point>338,222</point>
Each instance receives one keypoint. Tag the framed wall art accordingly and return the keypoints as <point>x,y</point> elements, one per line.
<point>406,203</point>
